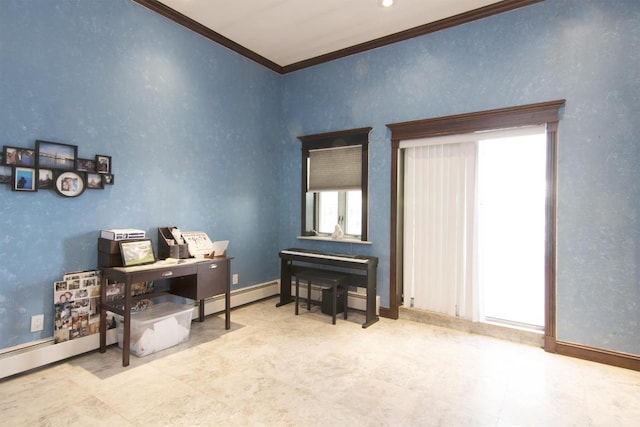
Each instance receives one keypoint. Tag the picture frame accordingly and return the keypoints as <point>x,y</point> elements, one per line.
<point>107,179</point>
<point>94,181</point>
<point>24,179</point>
<point>137,252</point>
<point>45,179</point>
<point>16,156</point>
<point>6,173</point>
<point>55,155</point>
<point>86,165</point>
<point>70,183</point>
<point>103,163</point>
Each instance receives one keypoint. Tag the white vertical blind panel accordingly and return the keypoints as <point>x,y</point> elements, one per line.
<point>335,169</point>
<point>439,198</point>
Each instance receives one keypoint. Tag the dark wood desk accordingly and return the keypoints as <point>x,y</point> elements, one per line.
<point>194,279</point>
<point>360,269</point>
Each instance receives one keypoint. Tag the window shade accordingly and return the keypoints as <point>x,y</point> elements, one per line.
<point>335,169</point>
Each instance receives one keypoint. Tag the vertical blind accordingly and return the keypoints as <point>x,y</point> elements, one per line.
<point>335,169</point>
<point>439,186</point>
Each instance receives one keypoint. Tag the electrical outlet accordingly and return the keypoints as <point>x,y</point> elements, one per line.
<point>234,279</point>
<point>37,323</point>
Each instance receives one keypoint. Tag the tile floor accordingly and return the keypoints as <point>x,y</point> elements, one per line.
<point>273,368</point>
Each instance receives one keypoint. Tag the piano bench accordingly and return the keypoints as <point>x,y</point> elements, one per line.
<point>327,280</point>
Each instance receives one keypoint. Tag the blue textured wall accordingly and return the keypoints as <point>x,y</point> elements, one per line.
<point>190,126</point>
<point>198,134</point>
<point>586,51</point>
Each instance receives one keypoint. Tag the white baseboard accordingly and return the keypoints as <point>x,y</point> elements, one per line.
<point>34,355</point>
<point>45,352</point>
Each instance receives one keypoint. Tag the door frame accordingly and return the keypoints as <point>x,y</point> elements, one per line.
<point>544,113</point>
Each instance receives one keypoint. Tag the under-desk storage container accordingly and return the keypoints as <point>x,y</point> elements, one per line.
<point>158,327</point>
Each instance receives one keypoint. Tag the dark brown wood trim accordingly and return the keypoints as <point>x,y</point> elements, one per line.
<point>619,359</point>
<point>463,18</point>
<point>385,312</point>
<point>550,237</point>
<point>208,33</point>
<point>525,115</point>
<point>500,118</point>
<point>358,136</point>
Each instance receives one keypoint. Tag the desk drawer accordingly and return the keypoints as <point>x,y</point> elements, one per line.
<point>212,279</point>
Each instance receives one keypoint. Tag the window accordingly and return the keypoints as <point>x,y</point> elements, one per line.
<point>334,183</point>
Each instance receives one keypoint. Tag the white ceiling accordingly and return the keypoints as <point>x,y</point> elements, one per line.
<point>289,31</point>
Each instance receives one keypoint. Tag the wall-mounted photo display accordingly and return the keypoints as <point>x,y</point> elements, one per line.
<point>53,166</point>
<point>16,156</point>
<point>86,165</point>
<point>45,179</point>
<point>24,179</point>
<point>6,173</point>
<point>103,164</point>
<point>94,181</point>
<point>107,179</point>
<point>70,183</point>
<point>55,155</point>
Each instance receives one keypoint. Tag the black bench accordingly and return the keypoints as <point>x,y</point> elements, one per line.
<point>327,280</point>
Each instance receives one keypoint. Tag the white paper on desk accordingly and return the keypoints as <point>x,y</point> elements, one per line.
<point>219,247</point>
<point>198,242</point>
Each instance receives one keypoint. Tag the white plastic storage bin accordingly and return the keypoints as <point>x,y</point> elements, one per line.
<point>158,327</point>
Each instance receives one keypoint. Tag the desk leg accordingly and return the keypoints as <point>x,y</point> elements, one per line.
<point>126,335</point>
<point>227,310</point>
<point>103,315</point>
<point>201,311</point>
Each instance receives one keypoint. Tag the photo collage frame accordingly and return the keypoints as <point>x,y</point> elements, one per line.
<point>54,166</point>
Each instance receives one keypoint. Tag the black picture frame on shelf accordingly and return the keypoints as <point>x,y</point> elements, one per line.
<point>55,155</point>
<point>17,156</point>
<point>24,179</point>
<point>70,183</point>
<point>45,179</point>
<point>137,252</point>
<point>86,165</point>
<point>94,181</point>
<point>103,163</point>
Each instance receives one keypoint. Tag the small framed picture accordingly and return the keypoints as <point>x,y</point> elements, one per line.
<point>6,172</point>
<point>94,181</point>
<point>19,156</point>
<point>45,179</point>
<point>107,179</point>
<point>70,183</point>
<point>86,165</point>
<point>54,155</point>
<point>103,164</point>
<point>137,252</point>
<point>24,179</point>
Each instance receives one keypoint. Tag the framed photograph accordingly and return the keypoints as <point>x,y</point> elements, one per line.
<point>70,183</point>
<point>45,179</point>
<point>6,172</point>
<point>94,181</point>
<point>54,155</point>
<point>18,156</point>
<point>137,252</point>
<point>107,179</point>
<point>103,164</point>
<point>24,179</point>
<point>86,165</point>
